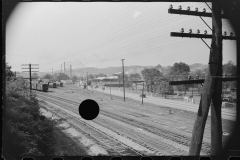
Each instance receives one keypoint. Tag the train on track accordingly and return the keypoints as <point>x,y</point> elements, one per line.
<point>40,86</point>
<point>52,84</point>
<point>59,84</point>
<point>43,86</point>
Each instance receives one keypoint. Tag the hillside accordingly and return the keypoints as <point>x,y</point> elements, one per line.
<point>112,70</point>
<point>196,66</point>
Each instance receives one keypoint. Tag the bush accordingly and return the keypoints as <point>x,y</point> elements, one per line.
<point>27,132</point>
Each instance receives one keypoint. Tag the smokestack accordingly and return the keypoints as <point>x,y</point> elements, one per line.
<point>61,68</point>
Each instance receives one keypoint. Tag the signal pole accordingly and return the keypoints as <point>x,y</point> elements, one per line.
<point>123,80</point>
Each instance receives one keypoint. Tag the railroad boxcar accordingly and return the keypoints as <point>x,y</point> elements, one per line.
<point>58,84</point>
<point>42,87</point>
<point>34,86</point>
<point>52,85</point>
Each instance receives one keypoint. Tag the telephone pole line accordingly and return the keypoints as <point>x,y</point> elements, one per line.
<point>64,67</point>
<point>212,89</point>
<point>30,76</point>
<point>87,80</point>
<point>30,73</point>
<point>123,80</point>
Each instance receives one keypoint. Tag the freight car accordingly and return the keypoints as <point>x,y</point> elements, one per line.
<point>52,85</point>
<point>34,85</point>
<point>59,84</point>
<point>42,87</point>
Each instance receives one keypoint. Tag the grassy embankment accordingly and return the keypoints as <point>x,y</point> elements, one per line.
<point>27,132</point>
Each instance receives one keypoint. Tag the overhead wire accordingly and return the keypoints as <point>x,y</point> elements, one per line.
<point>141,51</point>
<point>88,37</point>
<point>99,26</point>
<point>121,35</point>
<point>145,50</point>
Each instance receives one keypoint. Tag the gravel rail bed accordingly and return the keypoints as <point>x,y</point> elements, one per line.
<point>113,146</point>
<point>181,139</point>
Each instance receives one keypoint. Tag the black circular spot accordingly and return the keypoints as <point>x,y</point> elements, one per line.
<point>88,109</point>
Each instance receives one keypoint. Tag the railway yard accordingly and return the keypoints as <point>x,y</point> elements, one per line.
<point>128,128</point>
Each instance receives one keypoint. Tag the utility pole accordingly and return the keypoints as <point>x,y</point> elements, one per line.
<point>30,76</point>
<point>64,67</point>
<point>61,68</point>
<point>142,93</point>
<point>110,89</point>
<point>52,71</point>
<point>87,80</point>
<point>212,88</point>
<point>123,80</point>
<point>30,72</point>
<point>70,71</point>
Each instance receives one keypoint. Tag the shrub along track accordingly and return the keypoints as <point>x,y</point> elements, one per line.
<point>135,121</point>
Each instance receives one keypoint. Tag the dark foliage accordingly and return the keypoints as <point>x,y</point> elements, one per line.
<point>27,132</point>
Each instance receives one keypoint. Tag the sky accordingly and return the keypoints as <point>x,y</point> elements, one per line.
<point>100,34</point>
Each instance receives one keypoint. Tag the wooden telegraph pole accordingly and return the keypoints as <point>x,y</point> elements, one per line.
<point>215,60</point>
<point>123,80</point>
<point>211,92</point>
<point>142,93</point>
<point>212,89</point>
<point>110,88</point>
<point>30,73</point>
<point>87,81</point>
<point>30,77</point>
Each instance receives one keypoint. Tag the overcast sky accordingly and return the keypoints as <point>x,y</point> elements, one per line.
<point>100,34</point>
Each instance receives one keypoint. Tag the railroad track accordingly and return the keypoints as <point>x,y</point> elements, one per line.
<point>181,139</point>
<point>187,114</point>
<point>113,146</point>
<point>226,114</point>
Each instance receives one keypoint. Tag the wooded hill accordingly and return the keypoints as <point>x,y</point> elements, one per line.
<point>112,70</point>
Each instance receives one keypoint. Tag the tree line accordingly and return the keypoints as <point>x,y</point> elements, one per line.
<point>157,78</point>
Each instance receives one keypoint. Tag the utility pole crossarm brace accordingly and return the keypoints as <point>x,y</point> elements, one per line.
<point>206,44</point>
